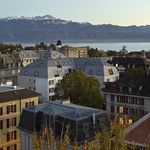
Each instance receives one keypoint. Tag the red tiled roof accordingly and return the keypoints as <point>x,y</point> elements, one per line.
<point>140,134</point>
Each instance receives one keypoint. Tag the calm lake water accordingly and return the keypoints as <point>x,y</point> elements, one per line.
<point>130,46</point>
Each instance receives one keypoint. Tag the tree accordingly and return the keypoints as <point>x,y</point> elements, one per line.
<point>101,53</point>
<point>132,71</point>
<point>112,53</point>
<point>93,52</point>
<point>123,51</point>
<point>58,43</point>
<point>80,88</point>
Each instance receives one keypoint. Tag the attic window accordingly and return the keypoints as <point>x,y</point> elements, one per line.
<point>90,71</point>
<point>26,72</point>
<point>102,123</point>
<point>60,72</point>
<point>41,64</point>
<point>110,71</point>
<point>86,130</point>
<point>98,72</point>
<point>58,65</point>
<point>36,73</point>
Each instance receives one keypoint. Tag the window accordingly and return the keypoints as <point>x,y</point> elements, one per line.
<point>122,99</point>
<point>112,108</point>
<point>51,82</point>
<point>36,73</point>
<point>11,109</point>
<point>12,147</point>
<point>140,101</point>
<point>56,74</point>
<point>112,98</point>
<point>90,71</point>
<point>121,109</point>
<point>86,130</point>
<point>110,71</point>
<point>130,100</point>
<point>11,135</point>
<point>30,103</point>
<point>131,111</point>
<point>51,90</point>
<point>102,124</point>
<point>98,72</point>
<point>11,122</point>
<point>60,72</point>
<point>26,72</point>
<point>65,71</point>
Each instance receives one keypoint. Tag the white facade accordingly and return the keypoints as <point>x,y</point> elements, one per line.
<point>42,75</point>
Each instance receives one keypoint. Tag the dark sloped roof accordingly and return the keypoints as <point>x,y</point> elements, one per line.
<point>138,83</point>
<point>17,95</point>
<point>139,132</point>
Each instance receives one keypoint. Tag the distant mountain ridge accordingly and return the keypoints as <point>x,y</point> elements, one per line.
<point>48,28</point>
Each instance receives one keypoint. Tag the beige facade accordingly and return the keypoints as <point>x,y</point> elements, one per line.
<point>12,101</point>
<point>77,52</point>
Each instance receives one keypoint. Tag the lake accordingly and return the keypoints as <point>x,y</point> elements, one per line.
<point>130,46</point>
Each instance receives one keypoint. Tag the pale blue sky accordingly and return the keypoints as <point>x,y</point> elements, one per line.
<point>117,12</point>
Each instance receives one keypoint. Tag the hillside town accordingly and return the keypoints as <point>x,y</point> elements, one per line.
<point>31,78</point>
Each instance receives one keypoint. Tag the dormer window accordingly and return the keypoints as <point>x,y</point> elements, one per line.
<point>26,72</point>
<point>36,73</point>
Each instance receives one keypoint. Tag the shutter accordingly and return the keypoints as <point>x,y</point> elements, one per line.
<point>15,108</point>
<point>126,111</point>
<point>7,136</point>
<point>26,104</point>
<point>1,110</point>
<point>15,147</point>
<point>8,109</point>
<point>117,98</point>
<point>32,103</point>
<point>1,124</point>
<point>142,101</point>
<point>126,99</point>
<point>15,135</point>
<point>15,121</point>
<point>133,100</point>
<point>7,123</point>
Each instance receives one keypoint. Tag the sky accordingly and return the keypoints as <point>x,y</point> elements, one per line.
<point>116,12</point>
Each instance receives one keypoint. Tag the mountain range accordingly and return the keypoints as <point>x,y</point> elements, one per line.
<point>48,29</point>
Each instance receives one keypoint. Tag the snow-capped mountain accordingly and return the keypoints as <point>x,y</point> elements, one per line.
<point>46,17</point>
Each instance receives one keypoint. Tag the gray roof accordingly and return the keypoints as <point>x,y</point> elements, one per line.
<point>68,110</point>
<point>46,68</point>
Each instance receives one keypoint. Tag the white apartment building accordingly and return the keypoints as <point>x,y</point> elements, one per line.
<point>42,75</point>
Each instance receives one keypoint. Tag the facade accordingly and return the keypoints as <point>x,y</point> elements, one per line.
<point>9,68</point>
<point>83,121</point>
<point>75,52</point>
<point>128,97</point>
<point>42,75</point>
<point>12,100</point>
<point>26,56</point>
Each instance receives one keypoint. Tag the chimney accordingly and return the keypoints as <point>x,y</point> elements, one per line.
<point>65,101</point>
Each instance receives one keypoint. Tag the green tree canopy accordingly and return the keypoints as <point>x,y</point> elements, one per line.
<point>132,71</point>
<point>58,43</point>
<point>80,88</point>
